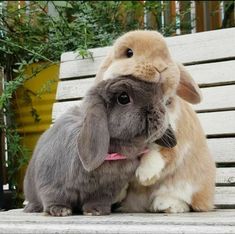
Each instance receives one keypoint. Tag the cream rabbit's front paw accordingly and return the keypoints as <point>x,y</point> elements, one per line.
<point>150,168</point>
<point>169,204</point>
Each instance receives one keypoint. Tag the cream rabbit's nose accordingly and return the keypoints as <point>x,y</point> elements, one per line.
<point>146,72</point>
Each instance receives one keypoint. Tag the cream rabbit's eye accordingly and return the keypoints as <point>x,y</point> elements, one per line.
<point>129,53</point>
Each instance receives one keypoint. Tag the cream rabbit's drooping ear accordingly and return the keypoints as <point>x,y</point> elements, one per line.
<point>104,66</point>
<point>187,88</point>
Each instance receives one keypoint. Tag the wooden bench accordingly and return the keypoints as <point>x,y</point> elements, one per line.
<point>210,58</point>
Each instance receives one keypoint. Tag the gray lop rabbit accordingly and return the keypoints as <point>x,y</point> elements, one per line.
<point>68,170</point>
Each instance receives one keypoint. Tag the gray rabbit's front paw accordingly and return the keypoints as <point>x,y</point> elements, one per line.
<point>58,210</point>
<point>96,209</point>
<point>33,208</point>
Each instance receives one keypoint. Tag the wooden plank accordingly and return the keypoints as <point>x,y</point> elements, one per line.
<point>215,15</point>
<point>79,68</point>
<point>217,217</point>
<point>216,123</point>
<point>60,108</point>
<point>185,17</point>
<point>131,228</point>
<point>213,123</point>
<point>199,16</point>
<point>225,196</point>
<point>2,145</point>
<point>222,149</point>
<point>96,52</point>
<point>204,74</point>
<point>220,221</point>
<point>215,98</point>
<point>73,88</point>
<point>202,46</point>
<point>225,176</point>
<point>169,15</point>
<point>213,73</point>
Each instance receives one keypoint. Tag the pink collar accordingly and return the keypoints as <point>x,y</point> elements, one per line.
<point>114,156</point>
<point>117,156</point>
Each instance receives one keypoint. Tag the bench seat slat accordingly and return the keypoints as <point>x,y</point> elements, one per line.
<point>218,217</point>
<point>219,221</point>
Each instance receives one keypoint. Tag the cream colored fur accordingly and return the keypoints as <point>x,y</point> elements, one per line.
<point>170,180</point>
<point>151,166</point>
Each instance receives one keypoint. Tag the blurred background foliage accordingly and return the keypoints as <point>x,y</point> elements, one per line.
<point>38,32</point>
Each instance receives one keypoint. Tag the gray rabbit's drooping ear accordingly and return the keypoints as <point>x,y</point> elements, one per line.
<point>188,89</point>
<point>93,139</point>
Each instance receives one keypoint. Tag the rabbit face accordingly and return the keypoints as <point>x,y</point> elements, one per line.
<point>134,108</point>
<point>143,54</point>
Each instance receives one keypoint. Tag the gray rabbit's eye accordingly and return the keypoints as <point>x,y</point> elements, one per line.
<point>123,99</point>
<point>129,53</point>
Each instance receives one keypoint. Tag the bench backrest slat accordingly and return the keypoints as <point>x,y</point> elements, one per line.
<point>216,98</point>
<point>203,47</point>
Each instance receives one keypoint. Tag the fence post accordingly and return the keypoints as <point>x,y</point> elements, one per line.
<point>215,16</point>
<point>1,176</point>
<point>185,17</point>
<point>1,146</point>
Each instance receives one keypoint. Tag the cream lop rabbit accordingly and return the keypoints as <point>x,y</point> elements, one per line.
<point>167,180</point>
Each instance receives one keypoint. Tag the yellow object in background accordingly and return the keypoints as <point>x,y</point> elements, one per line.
<point>38,93</point>
<point>33,105</point>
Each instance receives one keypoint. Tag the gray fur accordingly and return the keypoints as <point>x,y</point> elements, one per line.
<point>68,170</point>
